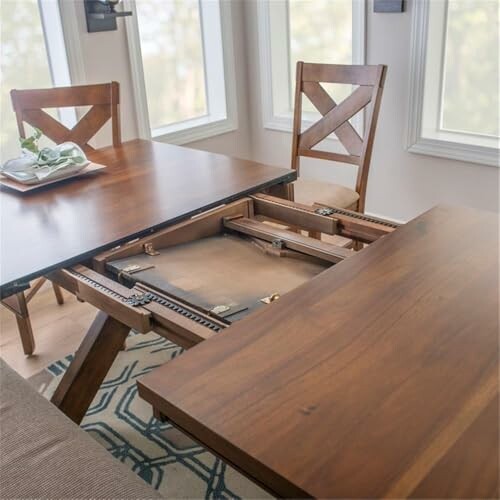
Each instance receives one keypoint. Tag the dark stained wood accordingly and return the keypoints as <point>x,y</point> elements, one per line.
<point>18,304</point>
<point>328,155</point>
<point>293,213</point>
<point>378,378</point>
<point>470,468</point>
<point>335,116</point>
<point>297,118</point>
<point>104,99</point>
<point>201,226</point>
<point>340,73</point>
<point>92,361</point>
<point>134,317</point>
<point>324,103</point>
<point>346,223</point>
<point>110,297</point>
<point>291,240</point>
<point>28,104</point>
<point>147,186</point>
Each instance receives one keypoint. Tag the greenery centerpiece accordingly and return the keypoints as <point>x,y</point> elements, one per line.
<point>43,164</point>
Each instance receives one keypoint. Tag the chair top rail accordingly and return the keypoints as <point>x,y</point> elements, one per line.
<point>60,97</point>
<point>339,73</point>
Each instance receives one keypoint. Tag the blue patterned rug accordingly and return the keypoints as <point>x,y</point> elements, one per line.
<point>123,423</point>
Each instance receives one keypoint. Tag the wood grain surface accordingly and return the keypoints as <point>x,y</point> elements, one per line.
<point>378,378</point>
<point>146,186</point>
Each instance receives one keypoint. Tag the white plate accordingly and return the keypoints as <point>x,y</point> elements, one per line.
<point>30,179</point>
<point>24,188</point>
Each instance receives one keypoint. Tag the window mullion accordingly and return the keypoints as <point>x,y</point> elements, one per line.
<point>56,53</point>
<point>213,58</point>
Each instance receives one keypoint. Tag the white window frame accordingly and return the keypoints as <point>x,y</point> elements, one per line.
<point>62,44</point>
<point>221,97</point>
<point>284,122</point>
<point>445,144</point>
<point>72,41</point>
<point>51,15</point>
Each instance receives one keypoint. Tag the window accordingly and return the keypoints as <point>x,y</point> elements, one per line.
<point>303,30</point>
<point>33,55</point>
<point>454,103</point>
<point>182,71</point>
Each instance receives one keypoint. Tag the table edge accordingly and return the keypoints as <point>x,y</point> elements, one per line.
<point>22,283</point>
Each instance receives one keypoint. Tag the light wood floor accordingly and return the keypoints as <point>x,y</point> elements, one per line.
<point>58,331</point>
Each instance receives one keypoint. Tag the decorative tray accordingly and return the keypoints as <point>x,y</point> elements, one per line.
<point>7,179</point>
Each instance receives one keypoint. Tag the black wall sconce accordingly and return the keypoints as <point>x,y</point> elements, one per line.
<point>101,15</point>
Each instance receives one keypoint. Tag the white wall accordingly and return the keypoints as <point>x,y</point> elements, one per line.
<point>401,185</point>
<point>105,58</point>
<point>237,143</point>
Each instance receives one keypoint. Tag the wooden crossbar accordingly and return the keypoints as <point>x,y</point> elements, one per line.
<point>341,73</point>
<point>336,117</point>
<point>292,241</point>
<point>346,133</point>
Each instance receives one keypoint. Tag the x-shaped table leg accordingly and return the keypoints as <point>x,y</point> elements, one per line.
<point>92,361</point>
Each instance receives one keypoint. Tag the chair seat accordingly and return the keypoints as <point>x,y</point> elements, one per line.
<point>308,191</point>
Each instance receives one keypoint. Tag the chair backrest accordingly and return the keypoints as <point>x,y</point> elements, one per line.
<point>335,117</point>
<point>104,99</point>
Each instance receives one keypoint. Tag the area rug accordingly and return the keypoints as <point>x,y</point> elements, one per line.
<point>160,454</point>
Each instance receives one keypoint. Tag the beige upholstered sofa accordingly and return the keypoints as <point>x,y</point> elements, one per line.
<point>43,454</point>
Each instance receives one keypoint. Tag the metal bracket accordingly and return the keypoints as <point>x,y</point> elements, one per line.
<point>220,309</point>
<point>149,249</point>
<point>278,243</point>
<point>132,269</point>
<point>271,298</point>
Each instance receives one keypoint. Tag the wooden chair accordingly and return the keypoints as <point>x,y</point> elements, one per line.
<point>370,81</point>
<point>104,99</point>
<point>29,107</point>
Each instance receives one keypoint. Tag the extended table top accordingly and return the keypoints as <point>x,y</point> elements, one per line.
<point>379,377</point>
<point>146,186</point>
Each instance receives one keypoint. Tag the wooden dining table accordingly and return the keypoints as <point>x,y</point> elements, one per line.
<point>378,378</point>
<point>145,186</point>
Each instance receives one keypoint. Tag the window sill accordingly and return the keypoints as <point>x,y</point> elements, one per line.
<point>456,151</point>
<point>193,130</point>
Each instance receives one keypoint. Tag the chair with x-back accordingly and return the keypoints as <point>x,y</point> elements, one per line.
<point>29,106</point>
<point>104,98</point>
<point>369,82</point>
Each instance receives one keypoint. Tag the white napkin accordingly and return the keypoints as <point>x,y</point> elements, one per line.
<point>48,161</point>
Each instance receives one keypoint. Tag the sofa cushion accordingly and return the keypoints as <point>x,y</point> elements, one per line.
<point>45,455</point>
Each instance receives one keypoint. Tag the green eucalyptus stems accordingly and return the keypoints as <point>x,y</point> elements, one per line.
<point>61,156</point>
<point>31,142</point>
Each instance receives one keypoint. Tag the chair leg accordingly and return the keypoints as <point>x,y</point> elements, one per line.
<point>26,334</point>
<point>58,294</point>
<point>18,305</point>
